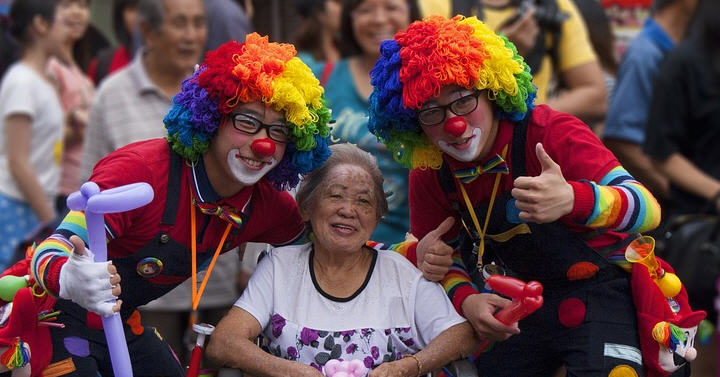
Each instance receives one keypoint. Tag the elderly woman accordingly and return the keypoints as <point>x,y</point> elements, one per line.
<point>339,297</point>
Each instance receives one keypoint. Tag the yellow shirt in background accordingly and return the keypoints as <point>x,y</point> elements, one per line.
<point>574,50</point>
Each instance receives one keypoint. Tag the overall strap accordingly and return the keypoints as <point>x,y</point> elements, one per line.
<point>446,178</point>
<point>173,188</point>
<point>518,168</point>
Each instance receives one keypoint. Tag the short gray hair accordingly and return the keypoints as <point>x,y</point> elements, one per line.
<point>349,154</point>
<point>151,12</point>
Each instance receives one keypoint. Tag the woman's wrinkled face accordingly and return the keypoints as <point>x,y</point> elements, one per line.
<point>465,138</point>
<point>374,21</point>
<point>343,213</point>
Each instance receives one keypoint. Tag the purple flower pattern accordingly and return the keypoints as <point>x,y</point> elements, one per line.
<point>308,335</point>
<point>277,322</point>
<point>368,361</point>
<point>367,348</point>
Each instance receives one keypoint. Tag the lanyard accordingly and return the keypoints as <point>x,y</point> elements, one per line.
<point>481,231</point>
<point>197,294</point>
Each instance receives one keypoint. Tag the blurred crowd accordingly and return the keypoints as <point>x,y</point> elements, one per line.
<point>72,93</point>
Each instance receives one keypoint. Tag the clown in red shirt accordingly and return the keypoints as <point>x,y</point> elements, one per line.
<point>498,184</point>
<point>244,127</point>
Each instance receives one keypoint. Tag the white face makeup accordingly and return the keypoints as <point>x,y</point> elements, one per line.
<point>684,352</point>
<point>247,169</point>
<point>465,152</point>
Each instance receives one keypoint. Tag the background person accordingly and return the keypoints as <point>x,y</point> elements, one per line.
<point>31,125</point>
<point>76,93</point>
<point>629,104</point>
<point>113,58</point>
<point>130,106</point>
<point>318,36</point>
<point>682,130</point>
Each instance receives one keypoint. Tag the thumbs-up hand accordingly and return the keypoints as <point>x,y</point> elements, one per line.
<point>434,256</point>
<point>544,198</point>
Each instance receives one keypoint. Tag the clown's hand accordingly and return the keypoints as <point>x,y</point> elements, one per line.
<point>434,256</point>
<point>547,197</point>
<point>87,283</point>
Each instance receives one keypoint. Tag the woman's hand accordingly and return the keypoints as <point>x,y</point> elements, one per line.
<point>434,256</point>
<point>547,197</point>
<point>480,309</point>
<point>406,367</point>
<point>307,371</point>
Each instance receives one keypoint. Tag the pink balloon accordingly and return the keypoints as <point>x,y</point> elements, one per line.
<point>357,368</point>
<point>331,367</point>
<point>344,366</point>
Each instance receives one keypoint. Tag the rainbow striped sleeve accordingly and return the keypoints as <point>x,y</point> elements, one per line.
<point>623,204</point>
<point>457,283</point>
<point>57,246</point>
<point>401,248</point>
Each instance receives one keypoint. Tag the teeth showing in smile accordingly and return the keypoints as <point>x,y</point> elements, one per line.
<point>344,227</point>
<point>251,162</point>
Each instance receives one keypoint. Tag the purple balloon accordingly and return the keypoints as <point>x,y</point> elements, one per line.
<point>95,204</point>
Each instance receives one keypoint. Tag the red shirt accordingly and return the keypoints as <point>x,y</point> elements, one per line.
<point>568,141</point>
<point>274,217</point>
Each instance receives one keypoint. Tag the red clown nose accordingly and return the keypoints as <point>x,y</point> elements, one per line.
<point>263,147</point>
<point>455,126</point>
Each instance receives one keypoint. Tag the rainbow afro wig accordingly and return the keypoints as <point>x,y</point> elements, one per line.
<point>429,55</point>
<point>256,70</point>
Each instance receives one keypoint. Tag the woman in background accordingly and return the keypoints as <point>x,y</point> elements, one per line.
<point>76,92</point>
<point>318,36</point>
<point>31,122</point>
<point>364,24</point>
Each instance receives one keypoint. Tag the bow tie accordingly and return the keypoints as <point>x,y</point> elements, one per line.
<point>226,213</point>
<point>495,165</point>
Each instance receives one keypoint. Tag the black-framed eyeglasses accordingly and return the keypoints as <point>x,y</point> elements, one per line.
<point>250,125</point>
<point>462,106</point>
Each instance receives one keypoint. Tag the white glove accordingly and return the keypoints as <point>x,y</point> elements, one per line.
<point>87,283</point>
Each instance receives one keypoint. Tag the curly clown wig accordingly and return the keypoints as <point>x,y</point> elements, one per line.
<point>256,70</point>
<point>429,55</point>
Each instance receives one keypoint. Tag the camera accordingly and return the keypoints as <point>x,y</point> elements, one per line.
<point>547,16</point>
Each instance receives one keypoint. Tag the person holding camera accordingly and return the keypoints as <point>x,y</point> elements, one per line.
<point>552,37</point>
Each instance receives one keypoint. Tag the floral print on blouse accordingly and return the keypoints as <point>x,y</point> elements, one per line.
<point>315,347</point>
